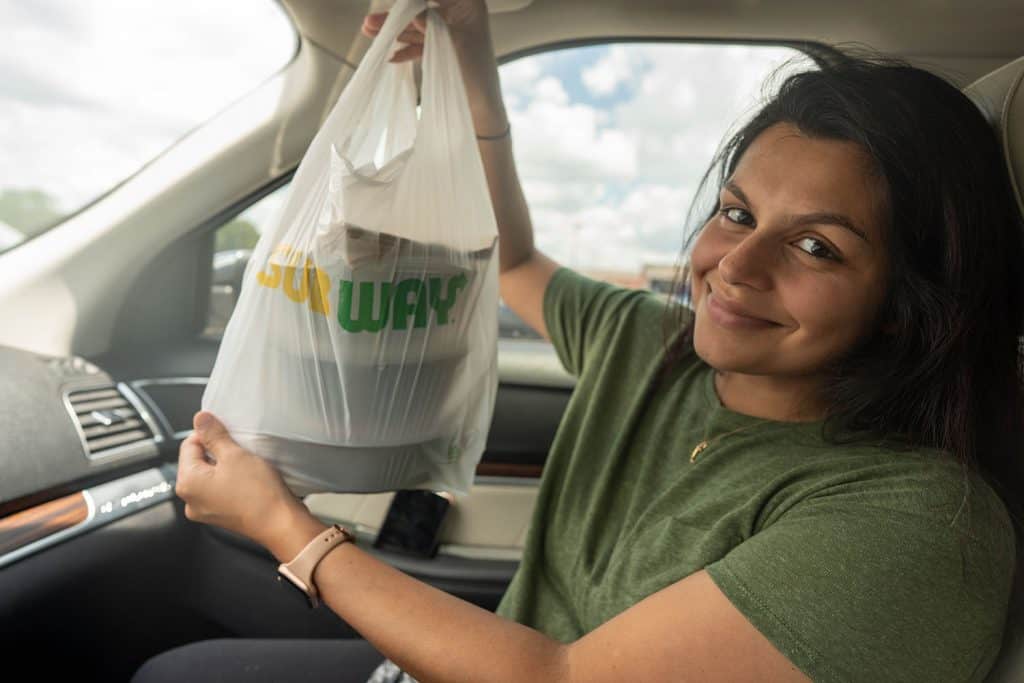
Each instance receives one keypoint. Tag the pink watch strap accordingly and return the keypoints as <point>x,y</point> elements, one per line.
<point>300,570</point>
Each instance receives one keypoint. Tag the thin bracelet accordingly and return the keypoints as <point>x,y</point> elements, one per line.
<point>503,134</point>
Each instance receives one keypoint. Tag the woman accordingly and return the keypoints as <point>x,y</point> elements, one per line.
<point>809,478</point>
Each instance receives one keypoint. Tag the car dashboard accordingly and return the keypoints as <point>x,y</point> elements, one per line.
<point>77,451</point>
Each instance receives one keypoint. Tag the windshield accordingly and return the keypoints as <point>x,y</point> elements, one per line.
<point>91,90</point>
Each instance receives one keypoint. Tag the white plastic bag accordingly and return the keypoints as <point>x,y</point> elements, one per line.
<point>362,353</point>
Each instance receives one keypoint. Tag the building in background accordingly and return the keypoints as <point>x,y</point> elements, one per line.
<point>657,277</point>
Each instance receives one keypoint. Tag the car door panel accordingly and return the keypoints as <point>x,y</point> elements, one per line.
<point>483,534</point>
<point>491,522</point>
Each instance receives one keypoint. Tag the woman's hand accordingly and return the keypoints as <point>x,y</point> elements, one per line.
<point>235,489</point>
<point>469,28</point>
<point>466,19</point>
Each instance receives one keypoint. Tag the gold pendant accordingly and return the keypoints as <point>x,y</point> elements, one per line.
<point>697,449</point>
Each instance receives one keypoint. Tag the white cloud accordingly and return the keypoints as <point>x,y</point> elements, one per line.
<point>620,64</point>
<point>69,155</point>
<point>609,188</point>
<point>550,91</point>
<point>89,91</point>
<point>688,99</point>
<point>520,74</point>
<point>561,141</point>
<point>646,226</point>
<point>565,194</point>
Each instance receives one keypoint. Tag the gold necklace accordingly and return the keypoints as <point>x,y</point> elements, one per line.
<point>704,443</point>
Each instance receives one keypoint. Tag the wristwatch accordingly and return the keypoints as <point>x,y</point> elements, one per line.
<point>299,572</point>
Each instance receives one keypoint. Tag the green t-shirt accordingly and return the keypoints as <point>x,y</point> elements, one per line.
<point>847,558</point>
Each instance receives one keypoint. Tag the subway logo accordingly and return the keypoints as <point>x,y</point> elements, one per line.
<point>365,306</point>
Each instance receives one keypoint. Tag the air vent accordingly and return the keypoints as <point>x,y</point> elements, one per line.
<point>110,423</point>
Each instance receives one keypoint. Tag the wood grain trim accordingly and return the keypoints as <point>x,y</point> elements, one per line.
<point>37,522</point>
<point>508,469</point>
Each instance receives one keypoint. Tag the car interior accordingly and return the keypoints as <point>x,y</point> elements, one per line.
<point>112,319</point>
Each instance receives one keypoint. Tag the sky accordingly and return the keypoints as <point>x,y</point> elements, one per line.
<point>610,140</point>
<point>90,90</point>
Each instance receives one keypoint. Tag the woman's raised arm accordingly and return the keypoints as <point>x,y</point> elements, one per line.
<point>525,272</point>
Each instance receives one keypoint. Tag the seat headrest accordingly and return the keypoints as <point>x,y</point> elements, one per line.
<point>1000,96</point>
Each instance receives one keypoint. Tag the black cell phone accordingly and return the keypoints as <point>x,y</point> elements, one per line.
<point>413,523</point>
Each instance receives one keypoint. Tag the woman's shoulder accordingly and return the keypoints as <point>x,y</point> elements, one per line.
<point>569,284</point>
<point>588,318</point>
<point>924,482</point>
<point>873,534</point>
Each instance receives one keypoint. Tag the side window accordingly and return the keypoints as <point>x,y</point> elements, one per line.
<point>233,244</point>
<point>91,90</point>
<point>611,142</point>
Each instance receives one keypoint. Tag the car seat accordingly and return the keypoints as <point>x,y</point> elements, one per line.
<point>1000,95</point>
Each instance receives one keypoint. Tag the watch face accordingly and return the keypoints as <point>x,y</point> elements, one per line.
<point>285,581</point>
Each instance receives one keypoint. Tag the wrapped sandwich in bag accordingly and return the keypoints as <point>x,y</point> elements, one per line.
<point>362,353</point>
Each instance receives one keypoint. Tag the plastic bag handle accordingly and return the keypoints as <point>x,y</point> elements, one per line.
<point>400,16</point>
<point>442,80</point>
<point>442,87</point>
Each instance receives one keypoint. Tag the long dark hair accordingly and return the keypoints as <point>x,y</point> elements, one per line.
<point>943,367</point>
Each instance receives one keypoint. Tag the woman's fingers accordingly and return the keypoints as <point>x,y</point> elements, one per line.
<point>193,468</point>
<point>368,28</point>
<point>192,457</point>
<point>372,24</point>
<point>214,436</point>
<point>411,36</point>
<point>407,53</point>
<point>375,20</point>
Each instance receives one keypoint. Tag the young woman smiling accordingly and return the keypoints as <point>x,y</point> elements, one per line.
<point>808,477</point>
